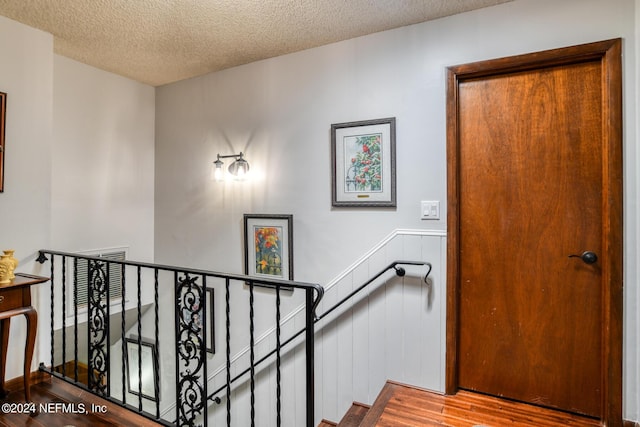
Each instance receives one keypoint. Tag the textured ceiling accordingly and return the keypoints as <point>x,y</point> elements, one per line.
<point>162,41</point>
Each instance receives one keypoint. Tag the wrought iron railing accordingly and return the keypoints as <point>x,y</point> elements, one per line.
<point>183,329</point>
<point>400,271</point>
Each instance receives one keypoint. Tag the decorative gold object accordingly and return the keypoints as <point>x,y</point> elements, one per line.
<point>14,262</point>
<point>6,271</point>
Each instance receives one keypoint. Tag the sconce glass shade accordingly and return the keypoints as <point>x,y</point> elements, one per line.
<point>218,173</point>
<point>239,168</point>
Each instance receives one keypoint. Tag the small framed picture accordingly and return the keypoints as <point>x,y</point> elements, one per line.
<point>3,114</point>
<point>363,163</point>
<point>268,243</point>
<point>142,358</point>
<point>209,316</point>
<point>195,310</point>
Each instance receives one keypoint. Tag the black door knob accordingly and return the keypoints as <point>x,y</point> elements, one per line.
<point>587,257</point>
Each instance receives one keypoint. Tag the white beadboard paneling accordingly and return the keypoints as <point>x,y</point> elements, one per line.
<point>433,302</point>
<point>413,323</point>
<point>265,392</point>
<point>360,322</point>
<point>391,330</point>
<point>344,368</point>
<point>394,327</point>
<point>377,333</point>
<point>289,379</point>
<point>439,288</point>
<point>329,360</point>
<point>414,313</point>
<point>393,312</point>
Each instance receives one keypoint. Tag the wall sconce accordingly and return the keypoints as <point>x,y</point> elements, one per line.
<point>238,168</point>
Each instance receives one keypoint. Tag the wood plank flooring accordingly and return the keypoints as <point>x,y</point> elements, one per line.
<point>405,406</point>
<point>397,405</point>
<point>54,393</point>
<point>354,415</point>
<point>400,405</point>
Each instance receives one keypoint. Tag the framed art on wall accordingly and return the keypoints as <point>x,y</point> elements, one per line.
<point>142,367</point>
<point>363,163</point>
<point>210,339</point>
<point>3,114</point>
<point>268,243</point>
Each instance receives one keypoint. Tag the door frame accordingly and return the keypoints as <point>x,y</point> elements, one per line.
<point>608,52</point>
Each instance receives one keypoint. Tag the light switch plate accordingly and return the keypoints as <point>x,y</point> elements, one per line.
<point>430,209</point>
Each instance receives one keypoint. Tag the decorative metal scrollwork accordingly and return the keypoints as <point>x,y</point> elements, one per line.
<point>98,328</point>
<point>191,350</point>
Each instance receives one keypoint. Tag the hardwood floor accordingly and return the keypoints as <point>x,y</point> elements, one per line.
<point>355,414</point>
<point>405,406</point>
<point>67,406</point>
<point>397,405</point>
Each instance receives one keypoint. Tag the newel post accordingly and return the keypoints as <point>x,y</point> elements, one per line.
<point>310,322</point>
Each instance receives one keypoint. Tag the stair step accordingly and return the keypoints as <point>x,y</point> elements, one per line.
<point>376,410</point>
<point>400,404</point>
<point>354,415</point>
<point>325,423</point>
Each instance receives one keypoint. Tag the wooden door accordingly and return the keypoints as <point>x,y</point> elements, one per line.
<point>534,151</point>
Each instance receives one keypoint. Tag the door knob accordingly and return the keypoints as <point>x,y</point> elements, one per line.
<point>587,257</point>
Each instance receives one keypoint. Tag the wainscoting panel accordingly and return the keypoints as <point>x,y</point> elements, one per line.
<point>395,329</point>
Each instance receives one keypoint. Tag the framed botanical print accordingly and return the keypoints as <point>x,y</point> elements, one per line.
<point>3,115</point>
<point>268,243</point>
<point>363,163</point>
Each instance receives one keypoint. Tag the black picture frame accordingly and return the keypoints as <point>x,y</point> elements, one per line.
<point>3,116</point>
<point>273,262</point>
<point>210,324</point>
<point>363,163</point>
<point>142,349</point>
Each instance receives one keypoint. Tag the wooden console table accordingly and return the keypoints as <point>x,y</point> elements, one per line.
<point>15,299</point>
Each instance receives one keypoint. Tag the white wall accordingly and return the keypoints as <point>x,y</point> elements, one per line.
<point>102,170</point>
<point>279,112</point>
<point>26,78</point>
<point>79,163</point>
<point>80,142</point>
<point>103,173</point>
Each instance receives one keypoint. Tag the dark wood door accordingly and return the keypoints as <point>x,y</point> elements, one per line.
<point>533,186</point>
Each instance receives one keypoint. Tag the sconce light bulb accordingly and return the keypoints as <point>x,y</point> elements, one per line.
<point>217,172</point>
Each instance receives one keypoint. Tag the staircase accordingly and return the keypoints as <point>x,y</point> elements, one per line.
<point>353,417</point>
<point>403,405</point>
